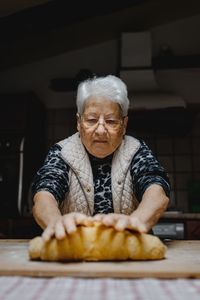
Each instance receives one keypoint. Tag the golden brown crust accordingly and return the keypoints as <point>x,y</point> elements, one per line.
<point>97,243</point>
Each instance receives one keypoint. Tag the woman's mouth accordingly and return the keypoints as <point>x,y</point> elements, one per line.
<point>101,142</point>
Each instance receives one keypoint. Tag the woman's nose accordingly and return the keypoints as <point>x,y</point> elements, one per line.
<point>101,129</point>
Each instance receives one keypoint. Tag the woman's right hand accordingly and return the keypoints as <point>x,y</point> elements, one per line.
<point>66,224</point>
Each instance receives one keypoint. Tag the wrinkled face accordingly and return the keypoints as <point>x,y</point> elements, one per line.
<point>101,126</point>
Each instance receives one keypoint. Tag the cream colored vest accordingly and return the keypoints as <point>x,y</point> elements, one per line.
<point>80,197</point>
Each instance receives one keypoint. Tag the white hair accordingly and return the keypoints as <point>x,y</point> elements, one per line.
<point>110,87</point>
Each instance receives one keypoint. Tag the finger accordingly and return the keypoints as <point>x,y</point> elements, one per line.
<point>137,225</point>
<point>48,233</point>
<point>80,218</point>
<point>69,224</point>
<point>98,217</point>
<point>142,228</point>
<point>121,224</point>
<point>88,221</point>
<point>110,219</point>
<point>60,230</point>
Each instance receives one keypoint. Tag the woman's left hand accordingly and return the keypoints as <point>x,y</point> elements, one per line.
<point>121,222</point>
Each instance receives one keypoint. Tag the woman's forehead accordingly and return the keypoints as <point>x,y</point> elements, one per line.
<point>101,105</point>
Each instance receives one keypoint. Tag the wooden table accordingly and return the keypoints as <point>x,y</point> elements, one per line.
<point>182,261</point>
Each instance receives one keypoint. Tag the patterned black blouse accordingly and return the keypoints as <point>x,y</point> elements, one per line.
<point>145,170</point>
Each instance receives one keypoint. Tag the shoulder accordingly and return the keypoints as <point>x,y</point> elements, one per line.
<point>73,139</point>
<point>143,149</point>
<point>143,155</point>
<point>53,151</point>
<point>130,142</point>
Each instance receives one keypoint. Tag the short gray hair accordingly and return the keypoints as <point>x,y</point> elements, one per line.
<point>110,87</point>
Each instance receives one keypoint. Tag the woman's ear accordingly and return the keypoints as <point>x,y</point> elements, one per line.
<point>78,120</point>
<point>125,123</point>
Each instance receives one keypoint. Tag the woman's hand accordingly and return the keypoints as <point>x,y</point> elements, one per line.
<point>121,222</point>
<point>66,224</point>
<point>154,203</point>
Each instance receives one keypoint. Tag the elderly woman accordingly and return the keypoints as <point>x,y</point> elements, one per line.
<point>99,173</point>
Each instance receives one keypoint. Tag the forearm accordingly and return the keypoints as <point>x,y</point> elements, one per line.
<point>154,203</point>
<point>48,216</point>
<point>45,209</point>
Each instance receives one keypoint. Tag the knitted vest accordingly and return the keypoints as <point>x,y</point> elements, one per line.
<point>80,197</point>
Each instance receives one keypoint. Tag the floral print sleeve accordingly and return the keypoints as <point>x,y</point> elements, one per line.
<point>146,170</point>
<point>53,176</point>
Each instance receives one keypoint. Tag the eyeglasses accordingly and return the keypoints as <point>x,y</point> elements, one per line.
<point>109,124</point>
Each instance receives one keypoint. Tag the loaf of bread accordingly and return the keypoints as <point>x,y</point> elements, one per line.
<point>98,243</point>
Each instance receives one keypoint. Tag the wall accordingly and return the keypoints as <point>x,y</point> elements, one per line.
<point>181,36</point>
<point>101,58</point>
<point>179,155</point>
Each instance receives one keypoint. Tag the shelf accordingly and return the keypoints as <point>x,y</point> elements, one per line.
<point>176,62</point>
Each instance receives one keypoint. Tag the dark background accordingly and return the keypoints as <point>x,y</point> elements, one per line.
<point>47,47</point>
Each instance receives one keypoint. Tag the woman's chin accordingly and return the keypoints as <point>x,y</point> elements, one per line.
<point>99,153</point>
<point>100,149</point>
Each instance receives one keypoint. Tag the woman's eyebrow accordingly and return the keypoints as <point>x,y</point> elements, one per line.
<point>111,116</point>
<point>94,114</point>
<point>97,115</point>
<point>91,114</point>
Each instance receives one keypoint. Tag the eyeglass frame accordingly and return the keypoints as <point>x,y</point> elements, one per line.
<point>105,123</point>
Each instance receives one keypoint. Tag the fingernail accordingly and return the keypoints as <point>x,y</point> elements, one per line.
<point>71,230</point>
<point>119,228</point>
<point>45,238</point>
